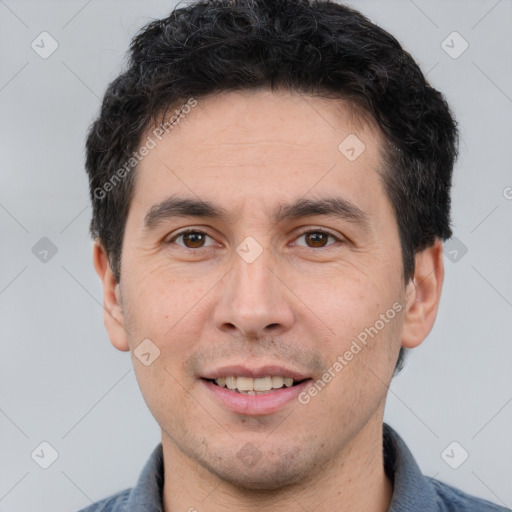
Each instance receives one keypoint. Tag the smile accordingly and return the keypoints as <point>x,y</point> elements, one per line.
<point>255,386</point>
<point>254,393</point>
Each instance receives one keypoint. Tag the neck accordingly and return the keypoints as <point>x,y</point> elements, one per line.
<point>353,479</point>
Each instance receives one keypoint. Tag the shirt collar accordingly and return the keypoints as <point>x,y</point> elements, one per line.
<point>412,490</point>
<point>146,496</point>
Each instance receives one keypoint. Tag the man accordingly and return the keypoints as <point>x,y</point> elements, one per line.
<point>271,187</point>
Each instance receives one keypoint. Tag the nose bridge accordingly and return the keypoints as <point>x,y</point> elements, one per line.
<point>252,280</point>
<point>253,301</point>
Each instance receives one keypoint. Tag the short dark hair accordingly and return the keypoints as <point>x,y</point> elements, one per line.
<point>315,47</point>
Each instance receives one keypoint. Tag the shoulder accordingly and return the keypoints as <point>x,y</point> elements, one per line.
<point>114,503</point>
<point>144,496</point>
<point>451,499</point>
<point>415,491</point>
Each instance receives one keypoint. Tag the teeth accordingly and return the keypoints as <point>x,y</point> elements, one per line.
<point>245,384</point>
<point>251,386</point>
<point>262,384</point>
<point>277,382</point>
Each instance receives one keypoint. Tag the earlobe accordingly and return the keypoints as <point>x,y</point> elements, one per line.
<point>113,316</point>
<point>423,293</point>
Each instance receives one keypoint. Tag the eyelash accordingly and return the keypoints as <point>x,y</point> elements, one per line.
<point>307,232</point>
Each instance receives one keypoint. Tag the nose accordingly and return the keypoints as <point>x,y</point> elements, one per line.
<point>253,299</point>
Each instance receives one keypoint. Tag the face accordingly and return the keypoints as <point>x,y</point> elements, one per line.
<point>288,267</point>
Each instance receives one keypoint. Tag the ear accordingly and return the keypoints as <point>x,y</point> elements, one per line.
<point>112,309</point>
<point>422,295</point>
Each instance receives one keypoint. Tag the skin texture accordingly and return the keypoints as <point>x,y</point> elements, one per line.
<point>299,304</point>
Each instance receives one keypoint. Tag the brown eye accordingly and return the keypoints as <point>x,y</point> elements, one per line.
<point>191,239</point>
<point>317,239</point>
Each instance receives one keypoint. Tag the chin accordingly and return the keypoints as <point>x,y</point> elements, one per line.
<point>264,480</point>
<point>266,474</point>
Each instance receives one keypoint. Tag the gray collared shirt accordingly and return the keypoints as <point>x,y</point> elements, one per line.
<point>412,491</point>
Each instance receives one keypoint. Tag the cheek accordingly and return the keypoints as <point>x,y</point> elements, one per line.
<point>360,365</point>
<point>350,303</point>
<point>162,300</point>
<point>166,311</point>
<point>364,318</point>
<point>166,395</point>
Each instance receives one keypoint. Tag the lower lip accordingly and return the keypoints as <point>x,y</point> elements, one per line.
<point>255,405</point>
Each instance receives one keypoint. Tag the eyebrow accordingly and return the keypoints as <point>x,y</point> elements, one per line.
<point>177,207</point>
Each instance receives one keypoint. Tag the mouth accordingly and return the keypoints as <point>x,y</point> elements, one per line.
<point>254,392</point>
<point>255,386</point>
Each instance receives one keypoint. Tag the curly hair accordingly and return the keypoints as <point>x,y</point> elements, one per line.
<point>315,47</point>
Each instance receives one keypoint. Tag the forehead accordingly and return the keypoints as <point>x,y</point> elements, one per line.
<point>256,148</point>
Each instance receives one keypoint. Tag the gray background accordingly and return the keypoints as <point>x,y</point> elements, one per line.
<point>60,379</point>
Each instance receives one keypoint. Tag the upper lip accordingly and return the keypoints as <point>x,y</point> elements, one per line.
<point>262,371</point>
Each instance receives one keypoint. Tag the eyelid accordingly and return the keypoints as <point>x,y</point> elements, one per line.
<point>319,230</point>
<point>186,231</point>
